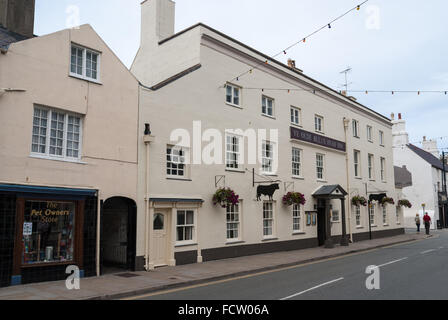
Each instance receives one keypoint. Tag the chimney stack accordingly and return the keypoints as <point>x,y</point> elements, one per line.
<point>18,16</point>
<point>157,21</point>
<point>400,136</point>
<point>399,116</point>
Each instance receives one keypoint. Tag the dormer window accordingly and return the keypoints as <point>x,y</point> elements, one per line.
<point>85,63</point>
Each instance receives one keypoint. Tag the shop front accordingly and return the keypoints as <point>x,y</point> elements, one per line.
<point>45,230</point>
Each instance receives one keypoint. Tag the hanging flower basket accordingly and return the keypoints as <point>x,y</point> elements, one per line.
<point>225,197</point>
<point>387,200</point>
<point>359,201</point>
<point>404,203</point>
<point>294,198</point>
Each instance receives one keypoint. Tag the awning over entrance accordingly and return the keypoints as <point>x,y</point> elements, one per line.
<point>27,189</point>
<point>330,192</point>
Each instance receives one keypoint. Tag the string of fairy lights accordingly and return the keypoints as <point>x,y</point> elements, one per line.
<point>303,41</point>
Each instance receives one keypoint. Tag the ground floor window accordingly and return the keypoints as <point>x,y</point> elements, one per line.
<point>48,232</point>
<point>296,218</point>
<point>185,225</point>
<point>385,220</point>
<point>268,219</point>
<point>233,222</point>
<point>372,214</point>
<point>397,214</point>
<point>357,210</point>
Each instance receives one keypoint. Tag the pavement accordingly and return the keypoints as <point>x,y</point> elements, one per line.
<point>114,286</point>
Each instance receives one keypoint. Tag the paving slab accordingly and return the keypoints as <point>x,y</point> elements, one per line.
<point>115,287</point>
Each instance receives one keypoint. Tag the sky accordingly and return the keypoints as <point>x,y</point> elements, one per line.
<point>390,45</point>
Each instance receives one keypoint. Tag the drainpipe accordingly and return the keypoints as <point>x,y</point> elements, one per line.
<point>147,139</point>
<point>347,168</point>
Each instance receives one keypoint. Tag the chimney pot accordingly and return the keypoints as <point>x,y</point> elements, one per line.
<point>399,116</point>
<point>392,116</point>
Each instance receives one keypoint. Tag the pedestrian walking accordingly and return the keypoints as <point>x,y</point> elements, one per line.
<point>418,222</point>
<point>427,220</point>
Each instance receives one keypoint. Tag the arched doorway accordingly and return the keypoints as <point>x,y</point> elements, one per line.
<point>118,235</point>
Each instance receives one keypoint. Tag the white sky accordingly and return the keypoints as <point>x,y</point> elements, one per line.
<point>405,50</point>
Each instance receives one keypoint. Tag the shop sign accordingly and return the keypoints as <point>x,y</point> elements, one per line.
<point>310,137</point>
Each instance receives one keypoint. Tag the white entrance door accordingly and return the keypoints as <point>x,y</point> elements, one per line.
<point>160,239</point>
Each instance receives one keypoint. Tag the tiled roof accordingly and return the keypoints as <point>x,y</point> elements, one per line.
<point>7,37</point>
<point>428,157</point>
<point>328,190</point>
<point>403,177</point>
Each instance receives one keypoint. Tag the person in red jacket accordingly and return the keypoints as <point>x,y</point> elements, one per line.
<point>427,220</point>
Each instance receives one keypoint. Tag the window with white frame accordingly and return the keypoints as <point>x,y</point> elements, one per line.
<point>385,218</point>
<point>233,151</point>
<point>176,161</point>
<point>381,138</point>
<point>267,106</point>
<point>369,133</point>
<point>56,134</point>
<point>355,125</point>
<point>233,222</point>
<point>295,116</point>
<point>233,94</point>
<point>319,123</point>
<point>383,169</point>
<point>185,225</point>
<point>357,210</point>
<point>296,162</point>
<point>372,214</point>
<point>268,219</point>
<point>296,218</point>
<point>370,160</point>
<point>357,162</point>
<point>320,163</point>
<point>267,157</point>
<point>397,214</point>
<point>84,63</point>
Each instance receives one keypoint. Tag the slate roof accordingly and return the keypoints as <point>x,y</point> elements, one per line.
<point>403,177</point>
<point>428,157</point>
<point>7,37</point>
<point>328,190</point>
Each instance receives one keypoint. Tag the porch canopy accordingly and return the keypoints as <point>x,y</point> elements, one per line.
<point>327,193</point>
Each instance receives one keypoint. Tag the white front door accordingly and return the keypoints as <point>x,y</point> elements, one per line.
<point>160,238</point>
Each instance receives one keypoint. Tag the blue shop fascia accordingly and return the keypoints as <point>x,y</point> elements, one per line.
<point>43,230</point>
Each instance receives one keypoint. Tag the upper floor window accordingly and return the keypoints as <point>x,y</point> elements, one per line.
<point>383,169</point>
<point>267,157</point>
<point>357,160</point>
<point>295,116</point>
<point>320,162</point>
<point>233,151</point>
<point>56,134</point>
<point>176,162</point>
<point>233,94</point>
<point>296,162</point>
<point>319,123</point>
<point>267,106</point>
<point>84,63</point>
<point>381,138</point>
<point>355,125</point>
<point>369,133</point>
<point>370,161</point>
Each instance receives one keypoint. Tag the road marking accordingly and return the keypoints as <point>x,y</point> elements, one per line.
<point>428,251</point>
<point>395,261</point>
<point>311,289</point>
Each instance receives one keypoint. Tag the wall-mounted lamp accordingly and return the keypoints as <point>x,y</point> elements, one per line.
<point>147,129</point>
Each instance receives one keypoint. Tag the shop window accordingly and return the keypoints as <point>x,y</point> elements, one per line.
<point>48,232</point>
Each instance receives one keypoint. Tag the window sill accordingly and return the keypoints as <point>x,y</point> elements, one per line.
<point>386,225</point>
<point>232,242</point>
<point>269,239</point>
<point>269,174</point>
<point>178,179</point>
<point>298,233</point>
<point>322,181</point>
<point>357,137</point>
<point>374,226</point>
<point>45,157</point>
<point>298,178</point>
<point>336,221</point>
<point>320,132</point>
<point>359,227</point>
<point>77,76</point>
<point>296,125</point>
<point>359,178</point>
<point>185,244</point>
<point>235,170</point>
<point>268,116</point>
<point>234,105</point>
